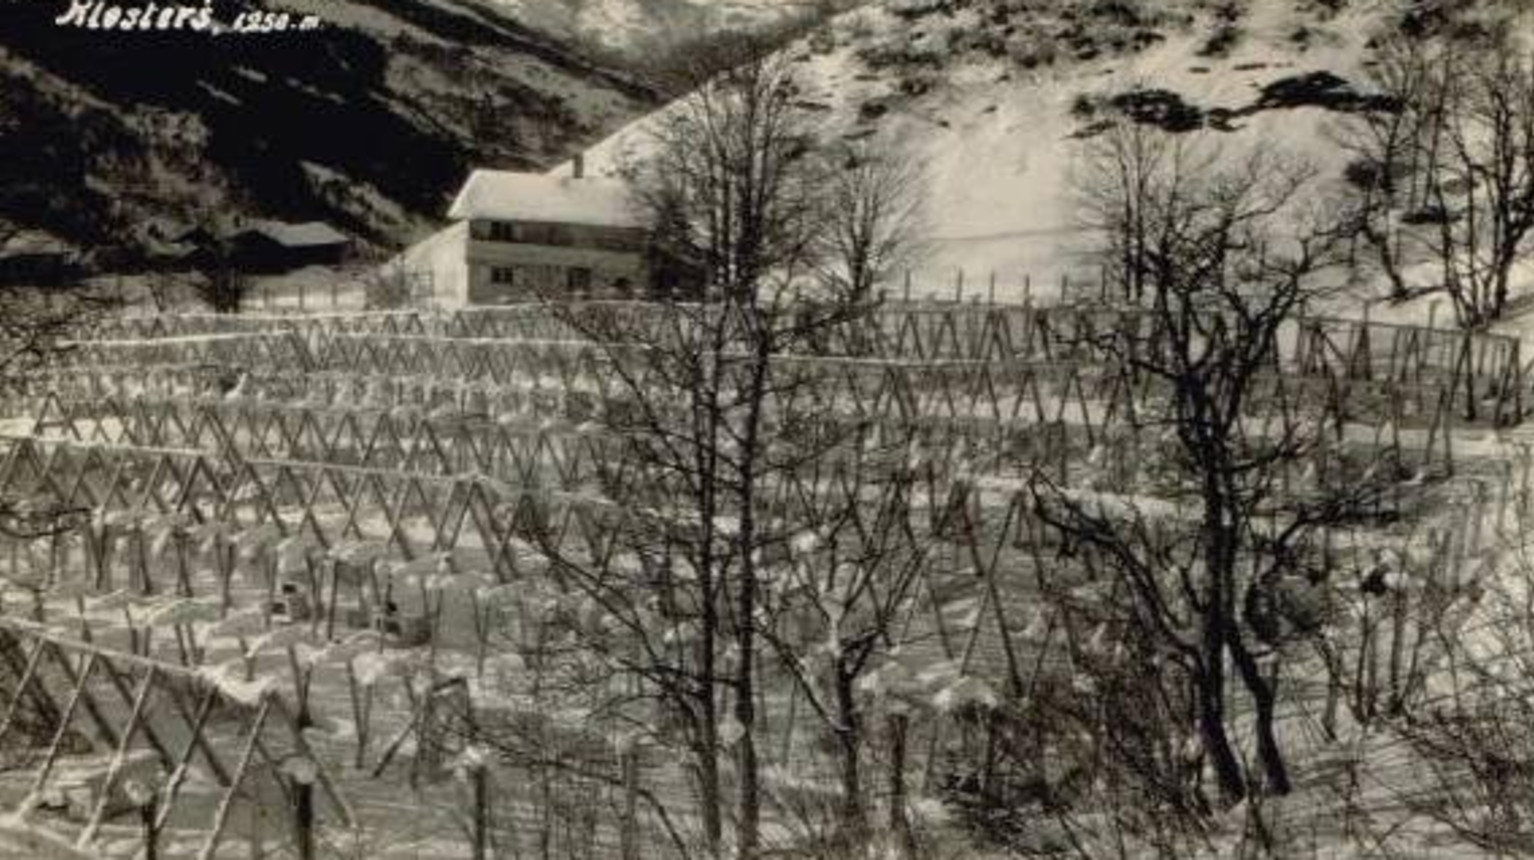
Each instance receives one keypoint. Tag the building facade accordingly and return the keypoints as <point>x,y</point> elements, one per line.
<point>524,237</point>
<point>532,236</point>
<point>522,260</point>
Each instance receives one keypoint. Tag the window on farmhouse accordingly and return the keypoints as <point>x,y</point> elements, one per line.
<point>503,275</point>
<point>503,231</point>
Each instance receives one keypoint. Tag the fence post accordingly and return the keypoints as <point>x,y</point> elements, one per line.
<point>908,286</point>
<point>146,811</point>
<point>300,774</point>
<point>958,289</point>
<point>302,289</point>
<point>991,298</point>
<point>479,776</point>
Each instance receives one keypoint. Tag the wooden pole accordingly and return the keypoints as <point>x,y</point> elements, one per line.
<point>630,834</point>
<point>303,815</point>
<point>480,778</point>
<point>146,813</point>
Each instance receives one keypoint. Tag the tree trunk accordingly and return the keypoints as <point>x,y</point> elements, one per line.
<point>1211,726</point>
<point>750,804</point>
<point>1218,612</point>
<point>900,826</point>
<point>748,837</point>
<point>708,789</point>
<point>1264,696</point>
<point>707,724</point>
<point>849,743</point>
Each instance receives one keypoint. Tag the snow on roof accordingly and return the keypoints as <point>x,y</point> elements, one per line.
<point>504,196</point>
<point>307,234</point>
<point>28,242</point>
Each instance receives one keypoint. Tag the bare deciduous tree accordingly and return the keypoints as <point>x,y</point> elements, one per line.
<point>702,459</point>
<point>1123,179</point>
<point>872,221</point>
<point>846,592</point>
<point>732,164</point>
<point>1483,181</point>
<point>1385,175</point>
<point>1221,281</point>
<point>1451,169</point>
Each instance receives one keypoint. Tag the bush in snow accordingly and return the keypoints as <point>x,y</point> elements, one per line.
<point>911,9</point>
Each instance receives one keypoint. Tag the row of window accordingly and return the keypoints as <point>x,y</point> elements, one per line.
<point>577,278</point>
<point>561,235</point>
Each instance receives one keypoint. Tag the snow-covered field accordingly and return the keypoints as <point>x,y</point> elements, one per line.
<point>328,465</point>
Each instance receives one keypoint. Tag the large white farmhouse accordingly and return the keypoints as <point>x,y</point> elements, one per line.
<point>519,237</point>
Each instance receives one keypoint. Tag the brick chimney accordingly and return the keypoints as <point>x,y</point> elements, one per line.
<point>578,167</point>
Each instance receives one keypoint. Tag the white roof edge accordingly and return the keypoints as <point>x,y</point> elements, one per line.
<point>506,195</point>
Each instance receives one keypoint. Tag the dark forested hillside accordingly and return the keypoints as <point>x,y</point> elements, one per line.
<point>369,121</point>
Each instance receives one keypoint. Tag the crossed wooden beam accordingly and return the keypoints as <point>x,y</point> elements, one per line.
<point>87,693</point>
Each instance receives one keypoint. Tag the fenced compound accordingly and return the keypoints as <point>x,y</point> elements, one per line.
<point>250,483</point>
<point>1483,373</point>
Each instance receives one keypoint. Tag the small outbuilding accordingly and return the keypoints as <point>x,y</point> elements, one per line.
<point>35,258</point>
<point>277,246</point>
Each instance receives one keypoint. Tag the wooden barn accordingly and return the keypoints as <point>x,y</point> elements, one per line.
<point>277,246</point>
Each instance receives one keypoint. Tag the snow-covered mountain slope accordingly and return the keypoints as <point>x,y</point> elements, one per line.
<point>994,98</point>
<point>639,28</point>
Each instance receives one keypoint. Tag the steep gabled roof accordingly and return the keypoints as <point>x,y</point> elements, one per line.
<point>29,242</point>
<point>500,195</point>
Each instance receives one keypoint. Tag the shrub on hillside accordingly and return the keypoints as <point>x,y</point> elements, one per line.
<point>912,9</point>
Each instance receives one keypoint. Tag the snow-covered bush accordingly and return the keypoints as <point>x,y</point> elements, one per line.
<point>918,8</point>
